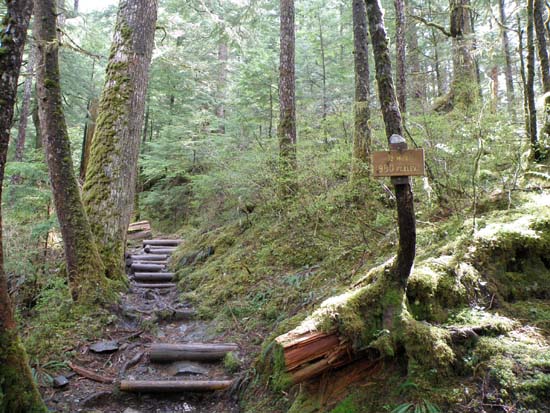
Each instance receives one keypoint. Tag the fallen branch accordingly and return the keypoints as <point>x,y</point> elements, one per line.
<point>131,363</point>
<point>90,374</point>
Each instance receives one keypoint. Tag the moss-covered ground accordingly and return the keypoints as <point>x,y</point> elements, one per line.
<point>261,276</point>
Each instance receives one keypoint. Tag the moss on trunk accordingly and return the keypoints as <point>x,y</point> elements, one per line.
<point>17,392</point>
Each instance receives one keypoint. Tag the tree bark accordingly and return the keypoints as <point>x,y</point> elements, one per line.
<point>507,58</point>
<point>530,86</point>
<point>324,79</point>
<point>36,123</point>
<point>400,67</point>
<point>539,19</point>
<point>362,132</point>
<point>418,81</point>
<point>84,267</point>
<point>111,174</point>
<point>18,392</point>
<point>88,137</point>
<point>393,122</point>
<point>523,73</point>
<point>286,130</point>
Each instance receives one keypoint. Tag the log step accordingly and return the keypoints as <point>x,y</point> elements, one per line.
<point>190,351</point>
<point>153,276</point>
<point>164,263</point>
<point>141,267</point>
<point>149,257</point>
<point>139,235</point>
<point>163,242</point>
<point>160,250</point>
<point>157,285</point>
<point>173,386</point>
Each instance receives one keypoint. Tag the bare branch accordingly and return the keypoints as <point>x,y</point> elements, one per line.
<point>432,24</point>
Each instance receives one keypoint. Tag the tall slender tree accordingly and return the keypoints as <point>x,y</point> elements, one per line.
<point>287,100</point>
<point>18,392</point>
<point>530,84</point>
<point>84,266</point>
<point>362,132</point>
<point>507,57</point>
<point>400,56</point>
<point>539,13</point>
<point>110,184</point>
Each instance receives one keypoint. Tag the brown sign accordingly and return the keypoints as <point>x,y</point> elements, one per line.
<point>409,162</point>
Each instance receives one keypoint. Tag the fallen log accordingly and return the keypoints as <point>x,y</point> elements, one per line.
<point>139,235</point>
<point>139,226</point>
<point>190,351</point>
<point>307,354</point>
<point>153,276</point>
<point>147,267</point>
<point>160,249</point>
<point>163,242</point>
<point>173,386</point>
<point>159,285</point>
<point>149,257</point>
<point>90,374</point>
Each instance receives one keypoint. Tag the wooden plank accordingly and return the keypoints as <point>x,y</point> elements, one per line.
<point>160,250</point>
<point>139,226</point>
<point>139,267</point>
<point>408,162</point>
<point>139,235</point>
<point>173,386</point>
<point>190,351</point>
<point>158,285</point>
<point>149,257</point>
<point>162,242</point>
<point>153,276</point>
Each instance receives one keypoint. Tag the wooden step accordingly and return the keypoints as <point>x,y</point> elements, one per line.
<point>140,267</point>
<point>153,276</point>
<point>162,242</point>
<point>139,226</point>
<point>139,235</point>
<point>160,250</point>
<point>190,351</point>
<point>157,285</point>
<point>149,257</point>
<point>165,263</point>
<point>173,386</point>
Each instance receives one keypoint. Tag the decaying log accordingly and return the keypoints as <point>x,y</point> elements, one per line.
<point>310,353</point>
<point>139,226</point>
<point>139,235</point>
<point>190,351</point>
<point>153,276</point>
<point>149,257</point>
<point>91,375</point>
<point>160,249</point>
<point>147,267</point>
<point>158,285</point>
<point>163,242</point>
<point>174,386</point>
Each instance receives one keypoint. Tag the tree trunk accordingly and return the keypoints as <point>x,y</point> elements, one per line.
<point>18,392</point>
<point>36,123</point>
<point>464,91</point>
<point>523,73</point>
<point>394,127</point>
<point>287,101</point>
<point>494,89</point>
<point>539,19</point>
<point>530,86</point>
<point>507,58</point>
<point>25,107</point>
<point>84,267</point>
<point>222,82</point>
<point>362,132</point>
<point>418,81</point>
<point>400,67</point>
<point>111,174</point>
<point>88,137</point>
<point>324,79</point>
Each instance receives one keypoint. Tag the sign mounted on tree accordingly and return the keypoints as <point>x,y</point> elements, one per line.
<point>398,162</point>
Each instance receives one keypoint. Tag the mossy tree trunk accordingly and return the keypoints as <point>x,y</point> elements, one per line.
<point>287,100</point>
<point>530,83</point>
<point>400,57</point>
<point>394,295</point>
<point>18,392</point>
<point>84,267</point>
<point>110,184</point>
<point>542,47</point>
<point>361,133</point>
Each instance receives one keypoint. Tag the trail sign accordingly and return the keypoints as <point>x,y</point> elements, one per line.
<point>408,162</point>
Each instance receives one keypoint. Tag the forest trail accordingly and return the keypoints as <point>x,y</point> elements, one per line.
<point>155,357</point>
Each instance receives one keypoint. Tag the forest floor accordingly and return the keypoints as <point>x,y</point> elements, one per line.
<point>143,316</point>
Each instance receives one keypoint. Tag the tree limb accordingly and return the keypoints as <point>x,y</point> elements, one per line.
<point>432,24</point>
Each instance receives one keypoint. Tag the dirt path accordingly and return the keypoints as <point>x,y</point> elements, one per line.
<point>145,316</point>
